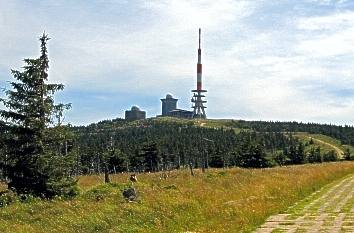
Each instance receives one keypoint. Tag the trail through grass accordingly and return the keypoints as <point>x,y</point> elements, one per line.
<point>326,143</point>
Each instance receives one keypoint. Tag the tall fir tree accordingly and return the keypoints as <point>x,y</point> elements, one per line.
<point>347,155</point>
<point>151,156</point>
<point>37,155</point>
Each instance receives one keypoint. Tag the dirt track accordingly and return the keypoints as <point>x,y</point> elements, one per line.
<point>338,150</point>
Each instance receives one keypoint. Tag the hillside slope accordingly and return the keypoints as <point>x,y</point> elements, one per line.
<point>326,143</point>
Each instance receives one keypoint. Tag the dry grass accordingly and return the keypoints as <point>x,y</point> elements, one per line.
<point>231,200</point>
<point>3,186</point>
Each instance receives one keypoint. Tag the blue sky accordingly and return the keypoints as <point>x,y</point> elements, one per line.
<point>262,60</point>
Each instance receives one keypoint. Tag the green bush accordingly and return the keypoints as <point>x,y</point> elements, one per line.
<point>98,193</point>
<point>6,198</point>
<point>330,156</point>
<point>26,198</point>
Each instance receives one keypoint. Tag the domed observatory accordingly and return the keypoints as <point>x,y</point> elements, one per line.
<point>135,114</point>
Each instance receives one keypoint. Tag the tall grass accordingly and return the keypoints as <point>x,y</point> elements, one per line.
<point>230,200</point>
<point>3,186</point>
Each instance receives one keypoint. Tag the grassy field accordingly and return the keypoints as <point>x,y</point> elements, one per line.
<point>326,143</point>
<point>230,200</point>
<point>211,123</point>
<point>2,186</point>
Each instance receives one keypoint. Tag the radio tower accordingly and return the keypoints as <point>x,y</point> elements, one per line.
<point>197,99</point>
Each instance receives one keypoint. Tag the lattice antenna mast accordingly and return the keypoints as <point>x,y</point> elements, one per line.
<point>197,99</point>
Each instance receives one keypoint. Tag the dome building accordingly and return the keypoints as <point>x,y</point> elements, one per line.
<point>168,104</point>
<point>169,108</point>
<point>135,114</point>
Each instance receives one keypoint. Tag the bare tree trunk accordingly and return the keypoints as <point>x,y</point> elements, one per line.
<point>106,175</point>
<point>179,161</point>
<point>203,161</point>
<point>191,168</point>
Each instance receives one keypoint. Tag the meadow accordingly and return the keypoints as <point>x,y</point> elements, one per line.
<point>2,186</point>
<point>220,200</point>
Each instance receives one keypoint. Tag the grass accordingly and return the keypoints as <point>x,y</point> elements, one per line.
<point>213,123</point>
<point>230,200</point>
<point>2,186</point>
<point>323,141</point>
<point>210,123</point>
<point>318,140</point>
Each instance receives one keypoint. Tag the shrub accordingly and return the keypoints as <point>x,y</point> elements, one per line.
<point>6,198</point>
<point>98,193</point>
<point>330,156</point>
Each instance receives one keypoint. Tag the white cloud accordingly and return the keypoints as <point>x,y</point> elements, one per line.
<point>111,57</point>
<point>332,22</point>
<point>250,72</point>
<point>334,36</point>
<point>329,2</point>
<point>185,15</point>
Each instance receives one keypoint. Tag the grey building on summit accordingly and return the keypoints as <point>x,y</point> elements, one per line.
<point>169,108</point>
<point>181,113</point>
<point>135,114</point>
<point>168,104</point>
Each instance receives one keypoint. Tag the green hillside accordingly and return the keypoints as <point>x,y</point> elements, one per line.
<point>207,143</point>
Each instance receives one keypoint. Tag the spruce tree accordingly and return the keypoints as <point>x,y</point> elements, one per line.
<point>37,156</point>
<point>254,156</point>
<point>151,157</point>
<point>347,154</point>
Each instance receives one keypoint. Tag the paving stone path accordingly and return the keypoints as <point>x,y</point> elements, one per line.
<point>331,209</point>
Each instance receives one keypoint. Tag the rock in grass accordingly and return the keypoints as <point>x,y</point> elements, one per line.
<point>130,194</point>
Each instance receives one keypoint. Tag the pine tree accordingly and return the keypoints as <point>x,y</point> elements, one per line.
<point>151,157</point>
<point>297,153</point>
<point>330,156</point>
<point>280,158</point>
<point>311,155</point>
<point>347,154</point>
<point>318,156</point>
<point>254,157</point>
<point>117,161</point>
<point>38,161</point>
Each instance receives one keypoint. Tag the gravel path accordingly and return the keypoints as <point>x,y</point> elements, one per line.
<point>331,209</point>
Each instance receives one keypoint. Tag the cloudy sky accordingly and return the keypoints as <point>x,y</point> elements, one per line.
<point>262,60</point>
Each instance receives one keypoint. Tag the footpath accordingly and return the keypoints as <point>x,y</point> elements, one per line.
<point>331,209</point>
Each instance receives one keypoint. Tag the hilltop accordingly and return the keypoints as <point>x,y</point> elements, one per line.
<point>174,143</point>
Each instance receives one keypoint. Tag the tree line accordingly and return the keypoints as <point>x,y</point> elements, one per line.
<point>343,133</point>
<point>154,145</point>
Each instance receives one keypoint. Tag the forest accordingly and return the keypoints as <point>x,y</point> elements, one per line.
<point>160,144</point>
<point>343,133</point>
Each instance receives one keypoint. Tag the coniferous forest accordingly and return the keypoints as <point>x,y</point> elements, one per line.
<point>158,144</point>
